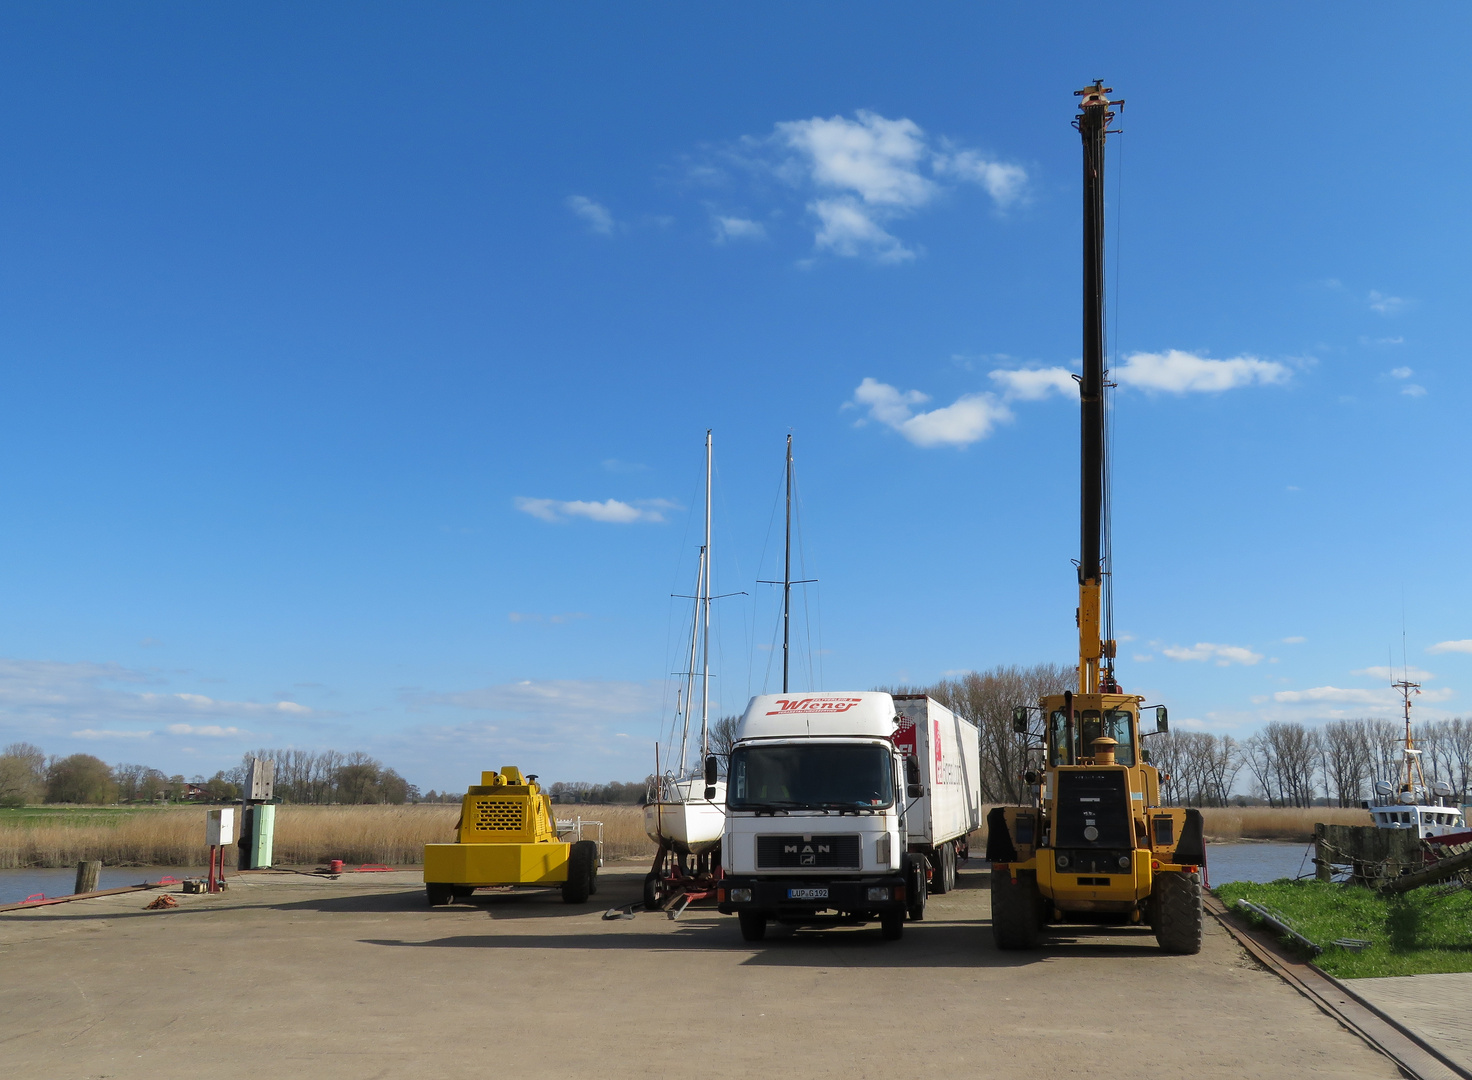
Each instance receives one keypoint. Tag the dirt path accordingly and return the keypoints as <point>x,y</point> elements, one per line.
<point>291,976</point>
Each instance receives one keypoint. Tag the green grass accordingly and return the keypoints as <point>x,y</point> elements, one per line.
<point>1421,932</point>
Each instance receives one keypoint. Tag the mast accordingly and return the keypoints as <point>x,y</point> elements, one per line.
<point>1092,123</point>
<point>787,569</point>
<point>1410,754</point>
<point>705,616</point>
<point>690,666</point>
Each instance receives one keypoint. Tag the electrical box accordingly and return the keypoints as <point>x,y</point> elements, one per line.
<point>260,780</point>
<point>219,827</point>
<point>262,835</point>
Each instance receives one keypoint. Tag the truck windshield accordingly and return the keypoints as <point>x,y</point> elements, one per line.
<point>819,776</point>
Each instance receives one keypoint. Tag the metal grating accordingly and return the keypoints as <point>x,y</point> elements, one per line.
<point>498,815</point>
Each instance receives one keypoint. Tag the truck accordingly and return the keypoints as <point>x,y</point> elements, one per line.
<point>1093,844</point>
<point>845,807</point>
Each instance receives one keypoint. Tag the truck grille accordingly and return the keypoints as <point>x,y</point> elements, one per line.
<point>796,853</point>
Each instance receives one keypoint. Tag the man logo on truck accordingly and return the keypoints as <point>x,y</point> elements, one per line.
<point>807,854</point>
<point>813,705</point>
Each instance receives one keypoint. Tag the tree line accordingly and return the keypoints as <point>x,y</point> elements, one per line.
<point>28,775</point>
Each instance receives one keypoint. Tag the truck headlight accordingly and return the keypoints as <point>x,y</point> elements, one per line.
<point>1124,862</point>
<point>882,851</point>
<point>1062,862</point>
<point>739,896</point>
<point>877,892</point>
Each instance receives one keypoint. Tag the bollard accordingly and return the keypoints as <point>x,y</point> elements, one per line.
<point>87,874</point>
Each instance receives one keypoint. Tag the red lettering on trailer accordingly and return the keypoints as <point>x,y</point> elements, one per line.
<point>904,736</point>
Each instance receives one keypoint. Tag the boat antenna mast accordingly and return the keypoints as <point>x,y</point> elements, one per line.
<point>1092,123</point>
<point>1411,755</point>
<point>787,583</point>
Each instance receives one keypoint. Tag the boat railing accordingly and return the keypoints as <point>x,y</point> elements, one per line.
<point>567,827</point>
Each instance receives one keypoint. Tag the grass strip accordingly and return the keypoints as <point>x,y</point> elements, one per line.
<point>1426,931</point>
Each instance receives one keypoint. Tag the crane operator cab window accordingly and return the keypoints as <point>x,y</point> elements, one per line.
<point>1060,739</point>
<point>1070,742</point>
<point>1115,723</point>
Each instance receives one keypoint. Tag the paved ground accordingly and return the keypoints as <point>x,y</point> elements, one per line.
<point>292,976</point>
<point>1435,1007</point>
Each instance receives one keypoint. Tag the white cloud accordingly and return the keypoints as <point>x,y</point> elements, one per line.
<point>1178,372</point>
<point>865,173</point>
<point>595,214</point>
<point>213,731</point>
<point>1394,674</point>
<point>847,228</point>
<point>614,465</point>
<point>1414,390</point>
<point>961,423</point>
<point>736,228</point>
<point>1336,695</point>
<point>1385,305</point>
<point>1401,373</point>
<point>609,511</point>
<point>92,733</point>
<point>1034,384</point>
<point>1464,645</point>
<point>1295,640</point>
<point>1223,655</point>
<point>1003,182</point>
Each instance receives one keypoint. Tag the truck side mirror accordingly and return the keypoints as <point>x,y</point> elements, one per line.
<point>1162,720</point>
<point>712,771</point>
<point>1019,719</point>
<point>912,778</point>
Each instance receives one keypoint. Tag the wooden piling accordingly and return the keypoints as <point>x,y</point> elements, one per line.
<point>88,870</point>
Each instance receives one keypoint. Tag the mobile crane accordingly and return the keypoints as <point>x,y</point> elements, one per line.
<point>1094,845</point>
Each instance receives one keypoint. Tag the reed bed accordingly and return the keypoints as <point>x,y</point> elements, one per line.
<point>305,835</point>
<point>1275,823</point>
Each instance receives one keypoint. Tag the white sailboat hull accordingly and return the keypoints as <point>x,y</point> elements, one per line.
<point>689,824</point>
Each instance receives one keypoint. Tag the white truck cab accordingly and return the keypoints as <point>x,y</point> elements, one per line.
<point>815,816</point>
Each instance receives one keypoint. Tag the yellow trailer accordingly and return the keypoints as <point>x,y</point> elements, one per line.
<point>507,836</point>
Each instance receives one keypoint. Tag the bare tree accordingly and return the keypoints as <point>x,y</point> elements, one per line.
<point>1345,760</point>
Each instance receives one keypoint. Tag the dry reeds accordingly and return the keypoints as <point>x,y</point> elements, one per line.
<point>305,835</point>
<point>1275,823</point>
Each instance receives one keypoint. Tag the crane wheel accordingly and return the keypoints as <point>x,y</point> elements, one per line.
<point>582,873</point>
<point>1015,909</point>
<point>438,895</point>
<point>1176,904</point>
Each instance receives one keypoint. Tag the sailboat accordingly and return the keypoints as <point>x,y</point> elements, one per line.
<point>1413,802</point>
<point>684,815</point>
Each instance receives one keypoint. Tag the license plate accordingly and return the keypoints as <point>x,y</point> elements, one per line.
<point>807,894</point>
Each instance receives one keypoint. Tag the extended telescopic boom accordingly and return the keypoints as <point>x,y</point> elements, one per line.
<point>1093,125</point>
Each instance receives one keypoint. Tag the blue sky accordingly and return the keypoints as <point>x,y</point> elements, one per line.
<point>330,333</point>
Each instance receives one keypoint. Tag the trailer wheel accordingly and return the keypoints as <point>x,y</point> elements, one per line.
<point>939,879</point>
<point>892,925</point>
<point>753,925</point>
<point>651,891</point>
<point>1014,910</point>
<point>950,867</point>
<point>1176,899</point>
<point>582,870</point>
<point>438,895</point>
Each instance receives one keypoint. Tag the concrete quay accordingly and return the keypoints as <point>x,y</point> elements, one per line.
<point>292,975</point>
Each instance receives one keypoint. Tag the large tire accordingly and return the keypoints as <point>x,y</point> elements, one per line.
<point>1015,910</point>
<point>582,870</point>
<point>651,891</point>
<point>951,860</point>
<point>916,887</point>
<point>939,879</point>
<point>1176,904</point>
<point>438,895</point>
<point>892,925</point>
<point>753,925</point>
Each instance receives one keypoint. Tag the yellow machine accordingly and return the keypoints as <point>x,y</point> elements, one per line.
<point>1094,845</point>
<point>507,836</point>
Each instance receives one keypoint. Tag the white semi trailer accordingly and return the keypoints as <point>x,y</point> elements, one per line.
<point>845,808</point>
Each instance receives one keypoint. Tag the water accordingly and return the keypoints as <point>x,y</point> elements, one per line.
<point>1257,862</point>
<point>16,885</point>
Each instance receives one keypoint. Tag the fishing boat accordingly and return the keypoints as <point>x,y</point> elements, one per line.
<point>1413,802</point>
<point>684,814</point>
